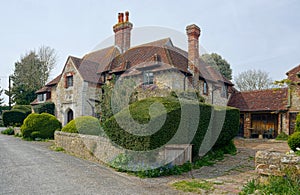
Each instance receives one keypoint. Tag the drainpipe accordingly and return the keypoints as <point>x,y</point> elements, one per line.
<point>184,82</point>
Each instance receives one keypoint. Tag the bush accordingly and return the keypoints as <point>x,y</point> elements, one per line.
<point>84,125</point>
<point>140,113</point>
<point>294,141</point>
<point>40,126</point>
<point>16,115</point>
<point>13,117</point>
<point>282,136</point>
<point>9,131</point>
<point>25,108</point>
<point>47,107</point>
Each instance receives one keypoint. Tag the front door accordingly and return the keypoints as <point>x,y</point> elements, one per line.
<point>70,116</point>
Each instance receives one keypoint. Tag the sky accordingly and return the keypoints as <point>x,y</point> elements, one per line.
<point>250,34</point>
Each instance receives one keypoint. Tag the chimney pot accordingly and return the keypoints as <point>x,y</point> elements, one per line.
<point>119,18</point>
<point>122,17</point>
<point>126,16</point>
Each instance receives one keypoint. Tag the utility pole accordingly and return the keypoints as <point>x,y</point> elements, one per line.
<point>9,92</point>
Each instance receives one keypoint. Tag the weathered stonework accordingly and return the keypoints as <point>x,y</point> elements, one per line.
<point>101,149</point>
<point>275,163</point>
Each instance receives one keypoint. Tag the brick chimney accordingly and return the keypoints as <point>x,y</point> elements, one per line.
<point>122,32</point>
<point>193,33</point>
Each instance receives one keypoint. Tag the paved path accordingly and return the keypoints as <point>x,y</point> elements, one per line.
<point>31,168</point>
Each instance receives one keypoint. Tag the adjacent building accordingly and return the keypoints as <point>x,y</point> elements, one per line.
<point>269,112</point>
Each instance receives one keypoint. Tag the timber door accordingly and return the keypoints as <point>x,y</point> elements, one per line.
<point>241,129</point>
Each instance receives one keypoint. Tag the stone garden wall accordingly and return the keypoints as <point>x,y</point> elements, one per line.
<point>101,149</point>
<point>274,163</point>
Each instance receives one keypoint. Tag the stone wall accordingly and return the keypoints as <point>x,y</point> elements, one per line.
<point>274,163</point>
<point>101,149</point>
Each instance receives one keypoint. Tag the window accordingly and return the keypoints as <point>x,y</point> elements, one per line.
<point>148,78</point>
<point>224,92</point>
<point>205,88</point>
<point>41,97</point>
<point>69,81</point>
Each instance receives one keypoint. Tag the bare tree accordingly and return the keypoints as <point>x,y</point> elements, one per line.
<point>48,58</point>
<point>253,80</point>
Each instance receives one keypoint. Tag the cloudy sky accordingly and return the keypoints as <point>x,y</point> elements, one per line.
<point>256,34</point>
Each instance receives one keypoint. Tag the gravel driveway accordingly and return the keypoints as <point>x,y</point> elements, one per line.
<point>31,168</point>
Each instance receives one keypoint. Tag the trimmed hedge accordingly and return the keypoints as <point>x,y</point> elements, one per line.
<point>84,125</point>
<point>13,117</point>
<point>46,107</point>
<point>174,120</point>
<point>294,141</point>
<point>16,115</point>
<point>40,126</point>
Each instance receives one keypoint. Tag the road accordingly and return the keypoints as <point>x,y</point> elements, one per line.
<point>32,168</point>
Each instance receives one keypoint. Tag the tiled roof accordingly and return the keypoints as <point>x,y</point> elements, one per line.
<point>101,58</point>
<point>43,90</point>
<point>260,100</point>
<point>54,81</point>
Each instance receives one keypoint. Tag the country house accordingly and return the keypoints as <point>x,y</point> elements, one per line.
<point>158,65</point>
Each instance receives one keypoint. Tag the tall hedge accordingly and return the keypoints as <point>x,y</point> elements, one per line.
<point>46,107</point>
<point>40,125</point>
<point>16,115</point>
<point>174,120</point>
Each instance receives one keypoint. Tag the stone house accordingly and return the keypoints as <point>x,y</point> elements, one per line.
<point>269,112</point>
<point>158,67</point>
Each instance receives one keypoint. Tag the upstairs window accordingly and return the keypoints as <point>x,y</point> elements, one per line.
<point>205,88</point>
<point>41,97</point>
<point>148,78</point>
<point>224,92</point>
<point>69,81</point>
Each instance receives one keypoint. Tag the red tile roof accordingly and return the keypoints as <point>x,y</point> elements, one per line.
<point>54,81</point>
<point>260,100</point>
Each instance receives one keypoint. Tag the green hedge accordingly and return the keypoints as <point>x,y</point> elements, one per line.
<point>84,125</point>
<point>47,107</point>
<point>13,117</point>
<point>294,141</point>
<point>297,126</point>
<point>140,113</point>
<point>40,125</point>
<point>16,115</point>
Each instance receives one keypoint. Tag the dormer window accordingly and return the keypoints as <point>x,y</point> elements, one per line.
<point>41,97</point>
<point>148,78</point>
<point>69,81</point>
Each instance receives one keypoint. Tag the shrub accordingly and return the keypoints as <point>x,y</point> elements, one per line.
<point>294,141</point>
<point>8,131</point>
<point>40,126</point>
<point>139,111</point>
<point>47,107</point>
<point>13,117</point>
<point>282,136</point>
<point>84,125</point>
<point>25,108</point>
<point>16,115</point>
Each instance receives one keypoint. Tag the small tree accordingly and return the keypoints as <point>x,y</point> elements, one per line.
<point>219,64</point>
<point>250,80</point>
